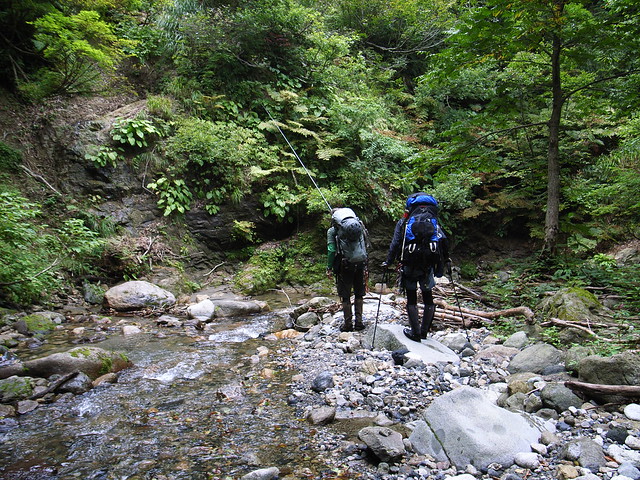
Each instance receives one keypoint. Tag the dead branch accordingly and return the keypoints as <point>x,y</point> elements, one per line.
<point>6,284</point>
<point>213,269</point>
<point>564,323</point>
<point>40,178</point>
<point>54,385</point>
<point>632,391</point>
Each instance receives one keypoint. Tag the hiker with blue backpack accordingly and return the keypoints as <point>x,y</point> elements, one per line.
<point>347,260</point>
<point>421,248</point>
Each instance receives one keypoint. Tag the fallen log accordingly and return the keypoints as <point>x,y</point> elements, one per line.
<point>510,312</point>
<point>632,391</point>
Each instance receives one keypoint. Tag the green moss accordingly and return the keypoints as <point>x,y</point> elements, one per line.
<point>77,352</point>
<point>586,295</point>
<point>107,365</point>
<point>38,323</point>
<point>15,388</point>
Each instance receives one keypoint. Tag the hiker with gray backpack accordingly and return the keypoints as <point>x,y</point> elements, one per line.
<point>347,241</point>
<point>422,250</point>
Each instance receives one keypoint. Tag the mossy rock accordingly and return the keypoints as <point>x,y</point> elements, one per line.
<point>92,361</point>
<point>572,305</point>
<point>35,324</point>
<point>15,388</point>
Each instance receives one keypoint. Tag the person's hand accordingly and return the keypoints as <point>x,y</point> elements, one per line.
<point>329,273</point>
<point>385,265</point>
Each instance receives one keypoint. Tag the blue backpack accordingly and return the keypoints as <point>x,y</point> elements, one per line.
<point>424,243</point>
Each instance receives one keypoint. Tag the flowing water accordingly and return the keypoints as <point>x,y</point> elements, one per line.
<point>194,406</point>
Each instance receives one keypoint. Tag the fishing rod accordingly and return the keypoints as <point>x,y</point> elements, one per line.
<point>296,155</point>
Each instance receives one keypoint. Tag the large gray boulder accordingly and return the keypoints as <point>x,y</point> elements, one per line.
<point>536,358</point>
<point>137,295</point>
<point>474,431</point>
<point>620,369</point>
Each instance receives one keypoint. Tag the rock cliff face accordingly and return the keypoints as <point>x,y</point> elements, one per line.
<point>55,138</point>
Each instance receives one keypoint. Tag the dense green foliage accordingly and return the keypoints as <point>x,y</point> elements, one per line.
<point>505,114</point>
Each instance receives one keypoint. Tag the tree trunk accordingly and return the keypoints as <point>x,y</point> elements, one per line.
<point>552,219</point>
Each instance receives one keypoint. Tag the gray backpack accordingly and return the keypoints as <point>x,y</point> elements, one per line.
<point>350,236</point>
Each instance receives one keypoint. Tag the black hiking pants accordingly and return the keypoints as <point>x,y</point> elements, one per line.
<point>351,277</point>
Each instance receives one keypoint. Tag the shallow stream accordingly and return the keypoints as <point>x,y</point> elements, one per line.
<point>193,407</point>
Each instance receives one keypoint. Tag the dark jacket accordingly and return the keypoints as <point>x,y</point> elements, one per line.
<point>395,248</point>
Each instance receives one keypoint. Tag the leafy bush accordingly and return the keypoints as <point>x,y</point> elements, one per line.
<point>102,155</point>
<point>26,268</point>
<point>81,50</point>
<point>77,246</point>
<point>291,263</point>
<point>210,161</point>
<point>134,131</point>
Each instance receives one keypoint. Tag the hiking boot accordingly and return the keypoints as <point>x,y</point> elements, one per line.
<point>359,304</point>
<point>409,334</point>
<point>414,332</point>
<point>427,320</point>
<point>347,326</point>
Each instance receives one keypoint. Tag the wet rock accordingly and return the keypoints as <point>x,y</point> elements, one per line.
<point>169,321</point>
<point>38,323</point>
<point>307,320</point>
<point>386,444</point>
<point>322,382</point>
<point>15,388</point>
<point>106,378</point>
<point>235,308</point>
<point>203,311</point>
<point>78,385</point>
<point>26,406</point>
<point>131,330</point>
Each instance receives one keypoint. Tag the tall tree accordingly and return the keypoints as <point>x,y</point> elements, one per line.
<point>585,45</point>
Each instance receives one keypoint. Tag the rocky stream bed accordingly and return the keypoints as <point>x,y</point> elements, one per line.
<point>257,396</point>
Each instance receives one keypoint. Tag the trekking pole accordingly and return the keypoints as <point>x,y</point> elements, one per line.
<point>375,324</point>
<point>296,155</point>
<point>455,293</point>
